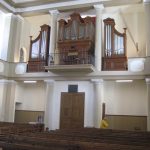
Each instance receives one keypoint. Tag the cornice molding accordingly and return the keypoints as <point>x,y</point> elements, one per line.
<point>65,5</point>
<point>8,6</point>
<point>27,3</point>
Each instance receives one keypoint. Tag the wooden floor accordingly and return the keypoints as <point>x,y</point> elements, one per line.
<point>75,139</point>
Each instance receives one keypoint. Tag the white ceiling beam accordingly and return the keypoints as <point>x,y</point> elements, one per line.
<point>23,1</point>
<point>62,5</point>
<point>8,6</point>
<point>68,5</point>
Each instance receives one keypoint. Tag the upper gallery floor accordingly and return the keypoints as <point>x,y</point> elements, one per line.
<point>90,38</point>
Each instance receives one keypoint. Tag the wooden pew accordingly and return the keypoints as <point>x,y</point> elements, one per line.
<point>76,139</point>
<point>18,142</point>
<point>24,143</point>
<point>17,127</point>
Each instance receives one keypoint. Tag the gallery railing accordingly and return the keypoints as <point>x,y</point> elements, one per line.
<point>71,58</point>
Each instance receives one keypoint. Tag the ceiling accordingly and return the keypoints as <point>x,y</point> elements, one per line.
<point>29,3</point>
<point>33,7</point>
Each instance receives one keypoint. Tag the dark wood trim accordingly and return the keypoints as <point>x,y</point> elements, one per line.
<point>30,110</point>
<point>124,115</point>
<point>103,110</point>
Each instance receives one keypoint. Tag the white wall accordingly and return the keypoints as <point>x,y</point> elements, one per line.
<point>126,98</point>
<point>62,86</point>
<point>120,99</point>
<point>30,96</point>
<point>35,23</point>
<point>136,26</point>
<point>2,97</point>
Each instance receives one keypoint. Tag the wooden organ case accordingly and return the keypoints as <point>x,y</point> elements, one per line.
<point>114,47</point>
<point>39,51</point>
<point>76,40</point>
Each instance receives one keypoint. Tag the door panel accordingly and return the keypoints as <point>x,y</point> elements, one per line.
<point>66,111</point>
<point>72,110</point>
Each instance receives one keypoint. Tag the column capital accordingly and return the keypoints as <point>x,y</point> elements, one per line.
<point>49,81</point>
<point>20,17</point>
<point>17,17</point>
<point>97,81</point>
<point>54,12</point>
<point>147,80</point>
<point>99,7</point>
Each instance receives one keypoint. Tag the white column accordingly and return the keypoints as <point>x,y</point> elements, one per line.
<point>147,13</point>
<point>53,32</point>
<point>48,115</point>
<point>7,100</point>
<point>2,99</point>
<point>148,104</point>
<point>98,95</point>
<point>98,39</point>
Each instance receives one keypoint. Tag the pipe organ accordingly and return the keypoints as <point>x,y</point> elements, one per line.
<point>114,47</point>
<point>76,40</point>
<point>39,51</point>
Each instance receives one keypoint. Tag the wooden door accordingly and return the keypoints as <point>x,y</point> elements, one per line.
<point>72,110</point>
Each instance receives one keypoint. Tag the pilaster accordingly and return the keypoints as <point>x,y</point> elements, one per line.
<point>148,100</point>
<point>98,39</point>
<point>98,90</point>
<point>49,104</point>
<point>53,32</point>
<point>7,100</point>
<point>147,12</point>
